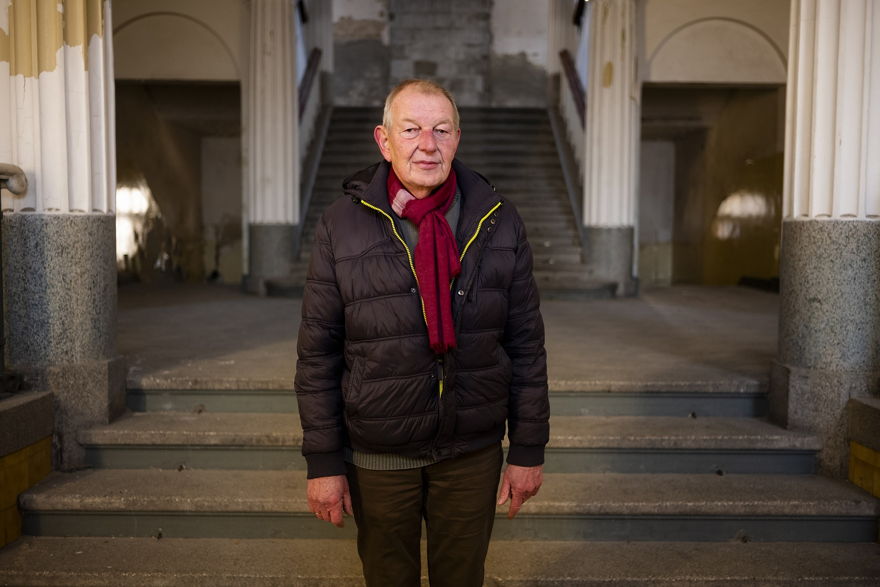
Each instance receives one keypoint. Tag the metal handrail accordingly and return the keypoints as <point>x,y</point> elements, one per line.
<point>305,88</point>
<point>13,179</point>
<point>574,83</point>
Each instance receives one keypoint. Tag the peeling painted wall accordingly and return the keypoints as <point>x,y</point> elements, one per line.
<point>449,42</point>
<point>519,62</point>
<point>361,52</point>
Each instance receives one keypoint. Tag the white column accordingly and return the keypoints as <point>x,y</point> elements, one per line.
<point>56,104</point>
<point>829,269</point>
<point>612,123</point>
<point>611,145</point>
<point>271,146</point>
<point>271,127</point>
<point>59,262</point>
<point>833,110</point>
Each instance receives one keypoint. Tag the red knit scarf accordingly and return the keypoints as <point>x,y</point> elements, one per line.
<point>436,255</point>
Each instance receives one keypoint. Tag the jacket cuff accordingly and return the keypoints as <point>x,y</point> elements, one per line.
<point>327,464</point>
<point>525,456</point>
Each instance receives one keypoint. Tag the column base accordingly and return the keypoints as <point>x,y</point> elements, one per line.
<point>829,329</point>
<point>86,394</point>
<point>60,301</point>
<point>815,401</point>
<point>608,253</point>
<point>271,255</point>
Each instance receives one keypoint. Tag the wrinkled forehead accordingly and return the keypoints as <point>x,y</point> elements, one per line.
<point>413,103</point>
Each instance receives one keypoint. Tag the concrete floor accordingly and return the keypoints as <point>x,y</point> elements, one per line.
<point>203,336</point>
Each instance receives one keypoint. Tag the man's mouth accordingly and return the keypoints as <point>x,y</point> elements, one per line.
<point>427,165</point>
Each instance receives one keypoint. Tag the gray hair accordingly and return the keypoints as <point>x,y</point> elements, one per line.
<point>420,85</point>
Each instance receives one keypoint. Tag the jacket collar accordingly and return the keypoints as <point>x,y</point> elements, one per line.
<point>477,194</point>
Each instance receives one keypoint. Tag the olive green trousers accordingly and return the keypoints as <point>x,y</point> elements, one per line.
<point>456,500</point>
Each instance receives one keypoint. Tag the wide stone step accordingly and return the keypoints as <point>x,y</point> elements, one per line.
<point>271,504</point>
<point>553,257</point>
<point>134,562</point>
<point>561,279</point>
<point>577,444</point>
<point>735,398</point>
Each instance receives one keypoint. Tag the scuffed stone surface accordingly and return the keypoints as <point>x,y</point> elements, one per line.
<point>59,288</point>
<point>830,295</point>
<point>609,256</point>
<point>334,563</point>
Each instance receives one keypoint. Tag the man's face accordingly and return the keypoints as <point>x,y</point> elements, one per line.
<point>421,142</point>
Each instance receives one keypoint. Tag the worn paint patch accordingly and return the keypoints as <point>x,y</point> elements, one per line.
<point>424,68</point>
<point>351,29</point>
<point>514,81</point>
<point>361,72</point>
<point>4,30</point>
<point>4,15</point>
<point>607,75</point>
<point>50,35</point>
<point>4,46</point>
<point>32,32</point>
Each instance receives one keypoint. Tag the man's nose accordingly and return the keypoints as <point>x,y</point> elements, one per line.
<point>427,141</point>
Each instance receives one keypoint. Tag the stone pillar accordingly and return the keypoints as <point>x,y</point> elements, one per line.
<point>271,152</point>
<point>59,262</point>
<point>829,324</point>
<point>612,142</point>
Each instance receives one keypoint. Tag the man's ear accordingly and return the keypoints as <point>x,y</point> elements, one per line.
<point>380,135</point>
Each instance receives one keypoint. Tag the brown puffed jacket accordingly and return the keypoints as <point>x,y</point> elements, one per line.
<point>366,377</point>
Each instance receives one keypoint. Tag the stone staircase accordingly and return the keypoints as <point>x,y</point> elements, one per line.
<point>645,485</point>
<point>513,147</point>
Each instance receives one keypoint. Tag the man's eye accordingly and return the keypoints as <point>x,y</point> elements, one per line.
<point>409,133</point>
<point>441,133</point>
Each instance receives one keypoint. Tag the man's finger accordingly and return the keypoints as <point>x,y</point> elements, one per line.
<point>504,492</point>
<point>515,505</point>
<point>336,516</point>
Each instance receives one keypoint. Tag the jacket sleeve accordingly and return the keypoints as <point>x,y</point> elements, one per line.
<point>529,405</point>
<point>320,364</point>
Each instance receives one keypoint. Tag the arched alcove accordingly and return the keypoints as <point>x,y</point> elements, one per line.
<point>716,51</point>
<point>171,46</point>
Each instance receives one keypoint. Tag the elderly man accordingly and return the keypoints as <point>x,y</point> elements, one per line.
<point>421,337</point>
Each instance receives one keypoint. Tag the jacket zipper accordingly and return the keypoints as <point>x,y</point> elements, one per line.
<point>477,231</point>
<point>409,257</point>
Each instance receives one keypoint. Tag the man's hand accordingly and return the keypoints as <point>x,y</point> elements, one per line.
<point>519,484</point>
<point>329,497</point>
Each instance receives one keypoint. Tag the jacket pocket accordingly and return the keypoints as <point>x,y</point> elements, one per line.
<point>351,387</point>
